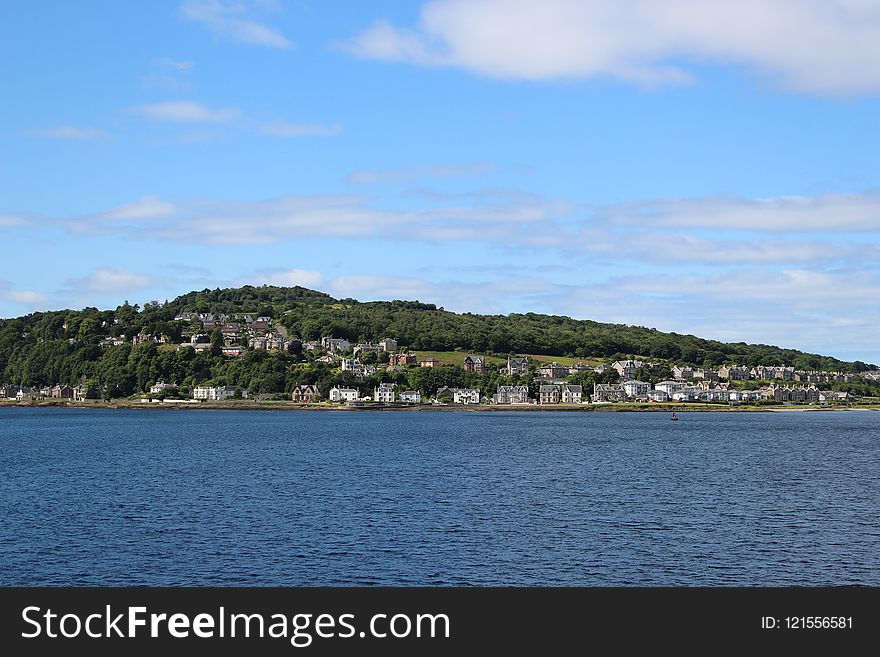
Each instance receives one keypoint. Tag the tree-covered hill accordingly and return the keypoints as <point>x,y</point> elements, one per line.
<point>65,346</point>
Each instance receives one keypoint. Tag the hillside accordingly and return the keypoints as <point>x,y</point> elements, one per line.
<point>66,346</point>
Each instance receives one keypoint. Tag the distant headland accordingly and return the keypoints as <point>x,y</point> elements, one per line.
<point>264,347</point>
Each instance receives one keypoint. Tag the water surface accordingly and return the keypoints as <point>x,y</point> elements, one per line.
<point>189,497</point>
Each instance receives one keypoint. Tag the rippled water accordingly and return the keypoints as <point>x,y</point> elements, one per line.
<point>98,497</point>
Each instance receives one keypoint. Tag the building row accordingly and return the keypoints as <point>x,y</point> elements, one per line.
<point>684,391</point>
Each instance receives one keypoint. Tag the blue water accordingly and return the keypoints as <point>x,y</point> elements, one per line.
<point>100,497</point>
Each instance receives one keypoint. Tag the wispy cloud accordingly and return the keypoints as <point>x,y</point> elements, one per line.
<point>230,19</point>
<point>211,221</point>
<point>287,130</point>
<point>186,111</point>
<point>812,309</point>
<point>142,210</point>
<point>283,277</point>
<point>8,220</point>
<point>832,212</point>
<point>192,112</point>
<point>147,207</point>
<point>180,66</point>
<point>69,132</point>
<point>505,219</point>
<point>407,174</point>
<point>23,297</point>
<point>169,75</point>
<point>814,46</point>
<point>104,280</point>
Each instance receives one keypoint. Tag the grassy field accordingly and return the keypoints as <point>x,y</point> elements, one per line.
<point>457,358</point>
<point>562,360</point>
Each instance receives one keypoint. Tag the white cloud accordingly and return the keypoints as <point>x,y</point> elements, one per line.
<point>822,311</point>
<point>286,129</point>
<point>229,19</point>
<point>146,207</point>
<point>370,177</point>
<point>103,280</point>
<point>832,212</point>
<point>663,248</point>
<point>817,46</point>
<point>134,214</point>
<point>510,219</point>
<point>23,297</point>
<point>7,220</point>
<point>212,221</point>
<point>186,111</point>
<point>69,132</point>
<point>283,277</point>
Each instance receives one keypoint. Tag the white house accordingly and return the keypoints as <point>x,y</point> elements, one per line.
<point>217,393</point>
<point>686,395</point>
<point>335,344</point>
<point>385,392</point>
<point>671,387</point>
<point>637,389</point>
<point>343,394</point>
<point>466,396</point>
<point>411,397</point>
<point>351,365</point>
<point>657,395</point>
<point>24,393</point>
<point>160,387</point>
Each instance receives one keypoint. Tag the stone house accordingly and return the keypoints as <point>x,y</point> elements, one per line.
<point>626,368</point>
<point>733,373</point>
<point>608,392</point>
<point>402,359</point>
<point>511,395</point>
<point>306,394</point>
<point>548,394</point>
<point>474,364</point>
<point>388,344</point>
<point>553,371</point>
<point>572,394</point>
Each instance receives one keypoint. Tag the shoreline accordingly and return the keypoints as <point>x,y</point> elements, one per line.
<point>242,405</point>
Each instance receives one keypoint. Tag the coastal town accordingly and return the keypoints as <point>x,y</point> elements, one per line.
<point>374,373</point>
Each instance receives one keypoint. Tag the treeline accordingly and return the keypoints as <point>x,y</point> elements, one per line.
<point>64,346</point>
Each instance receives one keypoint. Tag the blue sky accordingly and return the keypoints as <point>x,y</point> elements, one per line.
<point>702,167</point>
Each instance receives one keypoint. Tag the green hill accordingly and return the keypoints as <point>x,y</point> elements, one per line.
<point>65,346</point>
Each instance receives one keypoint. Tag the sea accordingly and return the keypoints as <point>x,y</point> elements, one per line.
<point>94,497</point>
